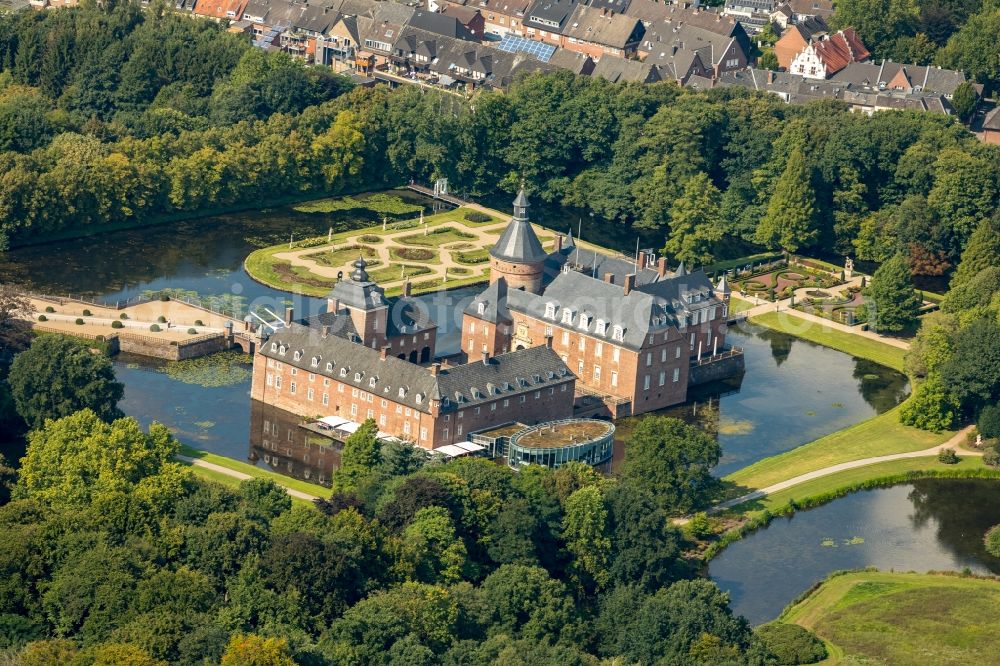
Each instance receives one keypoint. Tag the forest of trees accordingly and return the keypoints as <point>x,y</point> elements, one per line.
<point>155,115</point>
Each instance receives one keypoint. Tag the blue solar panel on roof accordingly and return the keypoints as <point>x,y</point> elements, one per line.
<point>515,44</point>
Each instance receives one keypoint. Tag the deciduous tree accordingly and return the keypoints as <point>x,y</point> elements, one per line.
<point>891,300</point>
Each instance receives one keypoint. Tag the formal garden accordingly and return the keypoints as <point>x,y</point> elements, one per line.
<point>438,251</point>
<point>779,278</point>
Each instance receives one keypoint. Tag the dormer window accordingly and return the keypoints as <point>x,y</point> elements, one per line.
<point>419,398</point>
<point>329,367</point>
<point>550,310</point>
<point>567,316</point>
<point>618,333</point>
<point>585,321</point>
<point>537,377</point>
<point>274,346</point>
<point>402,392</point>
<point>281,350</point>
<point>372,381</point>
<point>315,361</point>
<point>343,372</point>
<point>357,376</point>
<point>481,308</point>
<point>298,355</point>
<point>601,327</point>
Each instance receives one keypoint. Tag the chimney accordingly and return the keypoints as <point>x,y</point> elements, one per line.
<point>609,278</point>
<point>629,283</point>
<point>384,354</point>
<point>326,332</point>
<point>406,289</point>
<point>332,305</point>
<point>289,315</point>
<point>642,259</point>
<point>435,369</point>
<point>559,242</point>
<point>770,76</point>
<point>486,357</point>
<point>661,267</point>
<point>548,341</point>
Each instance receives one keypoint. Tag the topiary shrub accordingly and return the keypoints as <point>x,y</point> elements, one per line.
<point>989,422</point>
<point>199,322</point>
<point>123,316</point>
<point>49,309</point>
<point>791,644</point>
<point>161,319</point>
<point>117,324</point>
<point>193,331</point>
<point>991,457</point>
<point>476,216</point>
<point>42,318</point>
<point>86,313</point>
<point>154,328</point>
<point>947,456</point>
<point>992,541</point>
<point>79,322</point>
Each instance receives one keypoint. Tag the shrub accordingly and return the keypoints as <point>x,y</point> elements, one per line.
<point>42,318</point>
<point>49,309</point>
<point>123,316</point>
<point>947,456</point>
<point>476,216</point>
<point>193,331</point>
<point>699,526</point>
<point>154,328</point>
<point>989,421</point>
<point>86,313</point>
<point>932,407</point>
<point>791,644</point>
<point>117,324</point>
<point>164,297</point>
<point>79,322</point>
<point>992,541</point>
<point>199,322</point>
<point>161,319</point>
<point>991,457</point>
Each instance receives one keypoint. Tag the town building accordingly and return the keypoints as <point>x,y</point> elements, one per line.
<point>629,329</point>
<point>796,38</point>
<point>686,42</point>
<point>822,58</point>
<point>991,127</point>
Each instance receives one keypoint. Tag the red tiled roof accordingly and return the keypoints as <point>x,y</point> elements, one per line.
<point>839,49</point>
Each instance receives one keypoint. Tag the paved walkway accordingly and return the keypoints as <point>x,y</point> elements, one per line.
<point>242,476</point>
<point>784,306</point>
<point>953,443</point>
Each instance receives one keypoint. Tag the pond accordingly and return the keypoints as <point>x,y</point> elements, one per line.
<point>792,393</point>
<point>929,524</point>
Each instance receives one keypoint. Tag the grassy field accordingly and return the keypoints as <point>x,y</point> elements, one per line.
<point>436,237</point>
<point>904,618</point>
<point>855,345</point>
<point>737,304</point>
<point>878,436</point>
<point>854,477</point>
<point>257,472</point>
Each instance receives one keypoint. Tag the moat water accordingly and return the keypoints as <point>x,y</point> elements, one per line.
<point>926,525</point>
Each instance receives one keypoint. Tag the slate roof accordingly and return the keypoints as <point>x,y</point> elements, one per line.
<point>352,363</point>
<point>441,24</point>
<point>821,8</point>
<point>616,70</point>
<point>992,120</point>
<point>666,39</point>
<point>549,15</point>
<point>930,79</point>
<point>518,242</point>
<point>652,308</point>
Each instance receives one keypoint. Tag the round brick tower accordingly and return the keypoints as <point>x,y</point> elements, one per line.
<point>518,256</point>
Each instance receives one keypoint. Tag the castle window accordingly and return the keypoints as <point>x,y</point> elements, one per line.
<point>298,355</point>
<point>343,372</point>
<point>357,376</point>
<point>419,398</point>
<point>550,310</point>
<point>315,361</point>
<point>402,392</point>
<point>600,328</point>
<point>371,382</point>
<point>567,316</point>
<point>281,350</point>
<point>584,321</point>
<point>274,346</point>
<point>329,367</point>
<point>618,333</point>
<point>482,308</point>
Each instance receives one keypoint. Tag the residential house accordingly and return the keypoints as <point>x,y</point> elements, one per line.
<point>687,49</point>
<point>824,57</point>
<point>620,70</point>
<point>796,38</point>
<point>503,17</point>
<point>220,10</point>
<point>547,19</point>
<point>469,17</point>
<point>899,76</point>
<point>807,9</point>
<point>600,31</point>
<point>752,14</point>
<point>441,24</point>
<point>991,127</point>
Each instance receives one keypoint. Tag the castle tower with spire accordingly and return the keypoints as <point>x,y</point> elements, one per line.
<point>518,256</point>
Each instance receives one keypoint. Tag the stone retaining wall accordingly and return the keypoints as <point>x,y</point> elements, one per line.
<point>723,368</point>
<point>170,350</point>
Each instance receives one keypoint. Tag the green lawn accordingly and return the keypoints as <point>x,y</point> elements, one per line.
<point>472,256</point>
<point>737,304</point>
<point>904,618</point>
<point>342,256</point>
<point>435,237</point>
<point>394,271</point>
<point>878,436</point>
<point>257,472</point>
<point>422,254</point>
<point>853,478</point>
<point>855,345</point>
